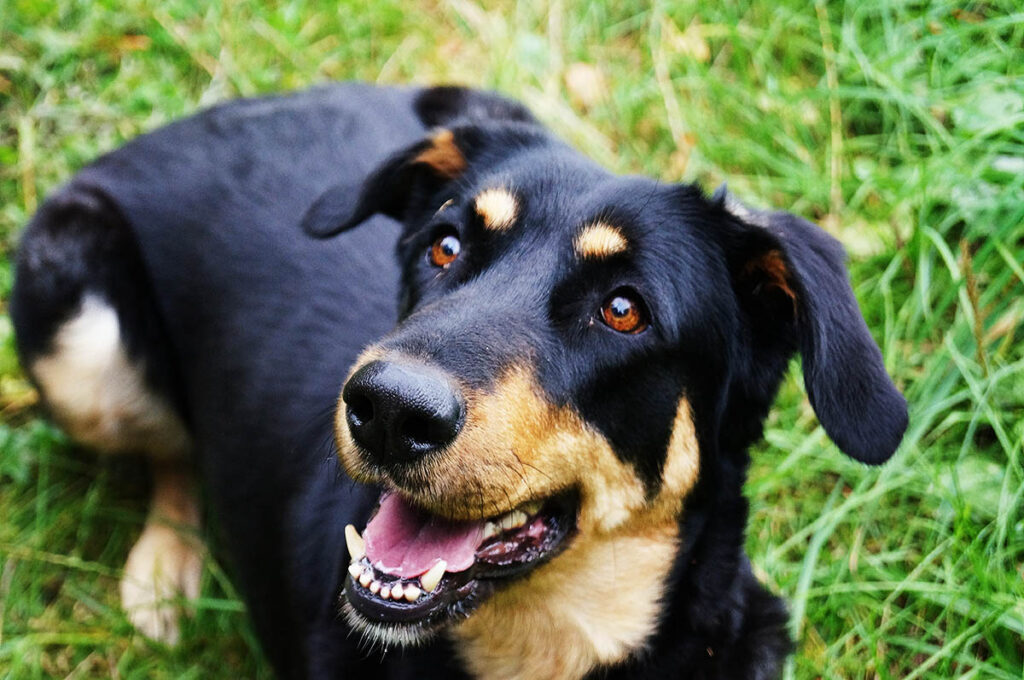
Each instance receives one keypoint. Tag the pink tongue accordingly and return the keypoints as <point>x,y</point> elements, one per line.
<point>404,541</point>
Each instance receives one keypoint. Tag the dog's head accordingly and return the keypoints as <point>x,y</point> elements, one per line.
<point>575,350</point>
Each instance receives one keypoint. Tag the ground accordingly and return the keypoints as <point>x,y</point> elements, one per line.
<point>897,126</point>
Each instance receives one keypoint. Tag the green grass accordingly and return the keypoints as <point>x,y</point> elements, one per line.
<point>899,126</point>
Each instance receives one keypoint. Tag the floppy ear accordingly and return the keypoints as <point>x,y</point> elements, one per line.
<point>390,189</point>
<point>791,269</point>
<point>406,179</point>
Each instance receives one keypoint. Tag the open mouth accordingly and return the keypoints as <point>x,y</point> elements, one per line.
<point>412,571</point>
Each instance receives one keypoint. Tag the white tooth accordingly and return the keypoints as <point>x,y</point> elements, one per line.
<point>491,529</point>
<point>531,508</point>
<point>385,592</point>
<point>412,593</point>
<point>374,587</point>
<point>430,580</point>
<point>396,591</point>
<point>355,570</point>
<point>365,579</point>
<point>356,546</point>
<point>513,520</point>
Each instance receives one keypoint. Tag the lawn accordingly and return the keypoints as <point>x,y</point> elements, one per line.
<point>897,126</point>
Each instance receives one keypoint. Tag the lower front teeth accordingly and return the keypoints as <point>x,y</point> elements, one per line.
<point>396,590</point>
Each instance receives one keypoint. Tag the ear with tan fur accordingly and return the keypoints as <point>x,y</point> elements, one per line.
<point>791,279</point>
<point>411,176</point>
<point>416,169</point>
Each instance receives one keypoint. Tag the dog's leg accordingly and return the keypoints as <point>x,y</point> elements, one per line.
<point>166,562</point>
<point>89,336</point>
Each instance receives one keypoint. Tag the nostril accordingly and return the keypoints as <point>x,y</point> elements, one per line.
<point>360,409</point>
<point>417,430</point>
<point>428,430</point>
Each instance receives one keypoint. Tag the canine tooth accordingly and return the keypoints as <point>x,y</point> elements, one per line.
<point>374,587</point>
<point>491,529</point>
<point>385,592</point>
<point>355,570</point>
<point>513,520</point>
<point>365,579</point>
<point>355,543</point>
<point>430,580</point>
<point>412,593</point>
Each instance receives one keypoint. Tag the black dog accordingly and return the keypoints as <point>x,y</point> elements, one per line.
<point>555,431</point>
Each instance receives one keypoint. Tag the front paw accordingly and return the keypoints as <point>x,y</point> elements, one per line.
<point>162,567</point>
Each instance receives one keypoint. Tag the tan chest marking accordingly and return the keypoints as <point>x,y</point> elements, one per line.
<point>595,604</point>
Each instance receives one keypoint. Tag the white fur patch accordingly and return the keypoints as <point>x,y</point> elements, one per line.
<point>99,395</point>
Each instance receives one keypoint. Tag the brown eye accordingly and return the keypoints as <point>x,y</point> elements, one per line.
<point>624,312</point>
<point>444,251</point>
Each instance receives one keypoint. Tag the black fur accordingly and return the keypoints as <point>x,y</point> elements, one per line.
<point>260,324</point>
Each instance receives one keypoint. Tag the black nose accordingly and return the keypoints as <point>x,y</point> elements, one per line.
<point>399,412</point>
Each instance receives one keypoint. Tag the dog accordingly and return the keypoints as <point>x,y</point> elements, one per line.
<point>542,406</point>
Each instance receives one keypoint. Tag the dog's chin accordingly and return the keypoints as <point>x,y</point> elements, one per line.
<point>392,602</point>
<point>385,635</point>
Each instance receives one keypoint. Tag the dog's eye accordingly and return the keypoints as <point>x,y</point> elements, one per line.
<point>444,250</point>
<point>624,312</point>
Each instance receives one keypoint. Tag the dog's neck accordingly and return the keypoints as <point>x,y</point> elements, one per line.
<point>594,605</point>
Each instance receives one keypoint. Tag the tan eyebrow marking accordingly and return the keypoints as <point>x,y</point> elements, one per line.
<point>497,208</point>
<point>443,155</point>
<point>600,240</point>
